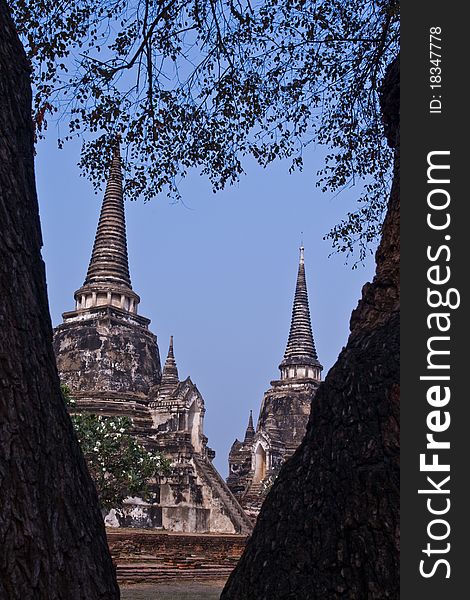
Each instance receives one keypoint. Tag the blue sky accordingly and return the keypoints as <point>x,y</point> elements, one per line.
<point>217,272</point>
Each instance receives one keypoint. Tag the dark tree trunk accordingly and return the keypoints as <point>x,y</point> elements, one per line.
<point>329,529</point>
<point>52,537</point>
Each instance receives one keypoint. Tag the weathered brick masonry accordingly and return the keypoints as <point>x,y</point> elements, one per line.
<point>144,556</point>
<point>110,360</point>
<point>283,417</point>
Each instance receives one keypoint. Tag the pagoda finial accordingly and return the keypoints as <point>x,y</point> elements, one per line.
<point>250,430</point>
<point>300,358</point>
<point>170,378</point>
<point>107,281</point>
<point>109,262</point>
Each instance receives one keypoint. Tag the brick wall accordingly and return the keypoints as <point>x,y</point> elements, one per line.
<point>152,556</point>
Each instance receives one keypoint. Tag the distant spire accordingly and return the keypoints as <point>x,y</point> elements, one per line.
<point>300,349</point>
<point>109,263</point>
<point>170,377</point>
<point>250,430</point>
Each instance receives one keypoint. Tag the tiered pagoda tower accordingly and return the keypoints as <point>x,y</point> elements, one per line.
<point>89,343</point>
<point>300,358</point>
<point>284,412</point>
<point>110,361</point>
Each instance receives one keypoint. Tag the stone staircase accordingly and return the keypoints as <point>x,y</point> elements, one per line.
<point>255,490</point>
<point>252,500</point>
<point>240,519</point>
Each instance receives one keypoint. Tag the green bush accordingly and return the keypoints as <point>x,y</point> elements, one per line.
<point>118,464</point>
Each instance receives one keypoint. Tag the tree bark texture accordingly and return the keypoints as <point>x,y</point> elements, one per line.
<point>52,537</point>
<point>329,528</point>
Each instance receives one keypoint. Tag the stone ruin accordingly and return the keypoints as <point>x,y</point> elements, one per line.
<point>285,409</point>
<point>110,361</point>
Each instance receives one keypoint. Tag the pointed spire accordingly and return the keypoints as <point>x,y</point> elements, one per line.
<point>300,353</point>
<point>108,283</point>
<point>250,430</point>
<point>170,377</point>
<point>109,262</point>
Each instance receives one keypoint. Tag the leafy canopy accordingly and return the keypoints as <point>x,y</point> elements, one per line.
<point>204,83</point>
<point>118,464</point>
